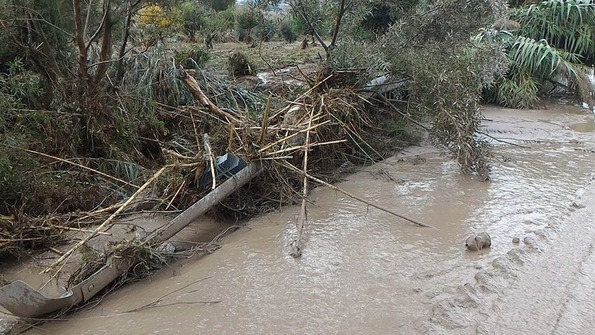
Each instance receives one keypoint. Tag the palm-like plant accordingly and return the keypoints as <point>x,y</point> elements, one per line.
<point>555,41</point>
<point>565,24</point>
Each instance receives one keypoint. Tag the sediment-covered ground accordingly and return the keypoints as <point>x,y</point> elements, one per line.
<point>365,271</point>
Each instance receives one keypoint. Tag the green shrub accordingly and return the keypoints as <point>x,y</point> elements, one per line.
<point>266,30</point>
<point>192,57</point>
<point>19,87</point>
<point>240,65</point>
<point>248,19</point>
<point>194,17</point>
<point>288,33</point>
<point>223,21</point>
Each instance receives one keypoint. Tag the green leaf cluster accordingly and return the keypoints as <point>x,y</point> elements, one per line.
<point>555,42</point>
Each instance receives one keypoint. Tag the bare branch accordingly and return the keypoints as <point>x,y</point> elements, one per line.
<point>106,43</point>
<point>304,15</point>
<point>342,9</point>
<point>104,19</point>
<point>80,39</point>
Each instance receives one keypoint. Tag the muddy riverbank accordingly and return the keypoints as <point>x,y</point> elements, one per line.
<point>364,271</point>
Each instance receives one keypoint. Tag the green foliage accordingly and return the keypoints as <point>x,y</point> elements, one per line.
<point>447,87</point>
<point>218,5</point>
<point>555,38</point>
<point>289,35</point>
<point>19,87</point>
<point>564,24</point>
<point>38,31</point>
<point>448,71</point>
<point>540,59</point>
<point>317,13</point>
<point>427,43</point>
<point>223,20</point>
<point>247,19</point>
<point>519,91</point>
<point>239,65</point>
<point>266,29</point>
<point>194,17</point>
<point>351,53</point>
<point>192,57</point>
<point>152,76</point>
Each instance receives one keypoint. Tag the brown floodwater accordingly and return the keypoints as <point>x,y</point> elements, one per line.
<point>364,271</point>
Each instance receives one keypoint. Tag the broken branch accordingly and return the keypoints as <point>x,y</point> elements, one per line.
<point>333,187</point>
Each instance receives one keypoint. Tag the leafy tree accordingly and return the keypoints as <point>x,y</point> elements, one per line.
<point>448,71</point>
<point>247,19</point>
<point>222,21</point>
<point>287,32</point>
<point>266,29</point>
<point>311,17</point>
<point>194,17</point>
<point>218,5</point>
<point>160,18</point>
<point>429,44</point>
<point>555,39</point>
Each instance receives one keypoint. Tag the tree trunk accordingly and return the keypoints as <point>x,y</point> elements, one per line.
<point>80,41</point>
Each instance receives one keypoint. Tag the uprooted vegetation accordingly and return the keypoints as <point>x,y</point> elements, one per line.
<point>87,122</point>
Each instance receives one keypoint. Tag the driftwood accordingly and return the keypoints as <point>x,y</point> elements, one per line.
<point>209,156</point>
<point>297,248</point>
<point>333,187</point>
<point>106,222</point>
<point>22,300</point>
<point>201,97</point>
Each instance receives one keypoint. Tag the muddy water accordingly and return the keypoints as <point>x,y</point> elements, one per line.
<point>364,271</point>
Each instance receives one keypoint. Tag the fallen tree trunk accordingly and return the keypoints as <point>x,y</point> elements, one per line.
<point>23,300</point>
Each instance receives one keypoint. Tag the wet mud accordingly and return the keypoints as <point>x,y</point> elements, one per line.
<point>365,271</point>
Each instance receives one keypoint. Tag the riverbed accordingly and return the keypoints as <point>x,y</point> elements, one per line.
<point>364,271</point>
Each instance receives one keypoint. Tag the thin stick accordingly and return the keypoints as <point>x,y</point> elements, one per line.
<point>310,83</point>
<point>230,138</point>
<point>503,141</point>
<point>81,230</point>
<point>79,165</point>
<point>195,130</point>
<point>297,248</point>
<point>99,211</point>
<point>300,147</point>
<point>155,302</point>
<point>56,251</point>
<point>265,121</point>
<point>333,187</point>
<point>210,158</point>
<point>175,195</point>
<point>305,94</point>
<point>106,222</point>
<point>286,138</point>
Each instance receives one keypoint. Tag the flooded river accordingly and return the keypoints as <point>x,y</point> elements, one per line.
<point>364,271</point>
